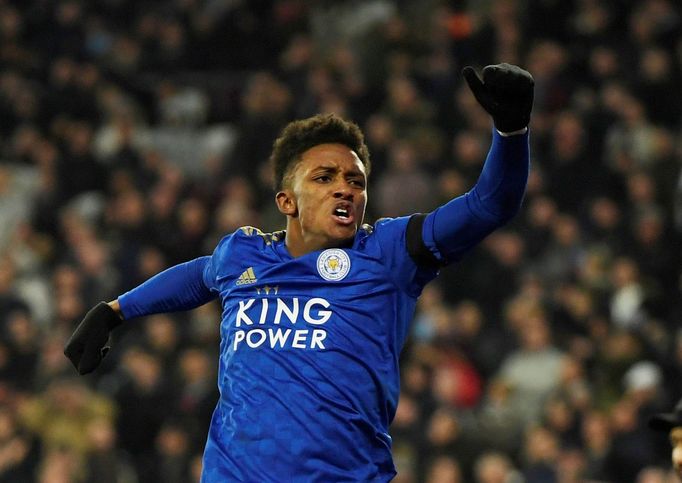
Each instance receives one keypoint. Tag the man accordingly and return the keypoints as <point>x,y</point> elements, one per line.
<point>314,317</point>
<point>671,423</point>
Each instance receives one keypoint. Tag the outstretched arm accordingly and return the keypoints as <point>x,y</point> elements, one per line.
<point>181,287</point>
<point>446,234</point>
<point>178,288</point>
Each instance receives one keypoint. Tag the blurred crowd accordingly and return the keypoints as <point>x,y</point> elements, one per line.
<point>135,134</point>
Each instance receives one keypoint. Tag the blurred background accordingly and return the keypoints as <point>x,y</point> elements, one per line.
<point>135,134</point>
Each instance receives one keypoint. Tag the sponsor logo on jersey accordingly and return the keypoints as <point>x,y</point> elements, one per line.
<point>278,323</point>
<point>247,277</point>
<point>333,264</point>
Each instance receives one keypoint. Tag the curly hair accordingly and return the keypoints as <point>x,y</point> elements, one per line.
<point>299,136</point>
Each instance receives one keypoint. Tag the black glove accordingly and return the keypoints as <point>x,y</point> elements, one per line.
<point>506,92</point>
<point>87,346</point>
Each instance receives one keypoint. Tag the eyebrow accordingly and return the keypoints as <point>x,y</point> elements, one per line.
<point>325,168</point>
<point>334,169</point>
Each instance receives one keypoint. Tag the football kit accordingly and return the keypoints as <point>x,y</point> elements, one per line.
<point>308,370</point>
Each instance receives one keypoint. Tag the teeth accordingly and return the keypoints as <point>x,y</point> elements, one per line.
<point>341,212</point>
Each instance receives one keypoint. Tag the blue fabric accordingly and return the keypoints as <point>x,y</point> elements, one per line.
<point>456,227</point>
<point>308,370</point>
<point>178,288</point>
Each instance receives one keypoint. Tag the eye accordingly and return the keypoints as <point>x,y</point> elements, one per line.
<point>358,183</point>
<point>323,179</point>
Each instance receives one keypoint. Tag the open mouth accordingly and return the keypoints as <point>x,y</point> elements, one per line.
<point>343,214</point>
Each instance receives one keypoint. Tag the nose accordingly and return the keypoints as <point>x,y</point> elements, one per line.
<point>343,191</point>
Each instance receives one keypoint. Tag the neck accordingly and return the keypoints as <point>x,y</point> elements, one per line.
<point>294,241</point>
<point>298,244</point>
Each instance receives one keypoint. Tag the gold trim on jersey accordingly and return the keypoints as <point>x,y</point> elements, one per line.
<point>267,289</point>
<point>269,238</point>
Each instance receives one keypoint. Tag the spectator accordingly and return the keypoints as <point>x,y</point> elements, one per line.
<point>541,453</point>
<point>632,447</point>
<point>61,416</point>
<point>496,468</point>
<point>533,369</point>
<point>18,450</point>
<point>596,436</point>
<point>105,462</point>
<point>142,386</point>
<point>444,470</point>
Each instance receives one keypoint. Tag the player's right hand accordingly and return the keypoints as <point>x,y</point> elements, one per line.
<point>87,346</point>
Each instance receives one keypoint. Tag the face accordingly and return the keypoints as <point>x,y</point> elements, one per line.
<point>676,442</point>
<point>325,197</point>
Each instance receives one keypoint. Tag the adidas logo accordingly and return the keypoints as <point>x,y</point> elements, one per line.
<point>247,277</point>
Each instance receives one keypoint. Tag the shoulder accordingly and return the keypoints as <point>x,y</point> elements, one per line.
<point>385,235</point>
<point>247,238</point>
<point>383,225</point>
<point>388,241</point>
<point>384,229</point>
<point>255,235</point>
<point>244,247</point>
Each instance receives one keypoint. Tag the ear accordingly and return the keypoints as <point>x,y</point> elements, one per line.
<point>286,202</point>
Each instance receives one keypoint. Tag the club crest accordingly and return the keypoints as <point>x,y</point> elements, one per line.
<point>333,264</point>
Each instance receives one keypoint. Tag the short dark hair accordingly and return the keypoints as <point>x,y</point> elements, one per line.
<point>299,136</point>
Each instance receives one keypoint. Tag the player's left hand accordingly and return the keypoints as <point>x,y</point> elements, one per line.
<point>505,92</point>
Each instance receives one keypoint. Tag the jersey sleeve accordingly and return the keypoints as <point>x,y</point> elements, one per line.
<point>181,287</point>
<point>391,236</point>
<point>453,229</point>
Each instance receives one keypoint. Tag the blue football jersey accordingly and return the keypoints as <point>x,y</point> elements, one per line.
<point>308,370</point>
<point>308,373</point>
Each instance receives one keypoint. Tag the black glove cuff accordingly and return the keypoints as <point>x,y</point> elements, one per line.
<point>103,311</point>
<point>511,125</point>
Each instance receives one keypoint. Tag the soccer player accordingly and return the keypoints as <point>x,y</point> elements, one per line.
<point>671,423</point>
<point>314,317</point>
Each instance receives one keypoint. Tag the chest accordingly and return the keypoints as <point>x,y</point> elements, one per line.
<point>333,274</point>
<point>306,303</point>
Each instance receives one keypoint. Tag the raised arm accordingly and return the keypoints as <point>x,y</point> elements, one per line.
<point>447,233</point>
<point>181,287</point>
